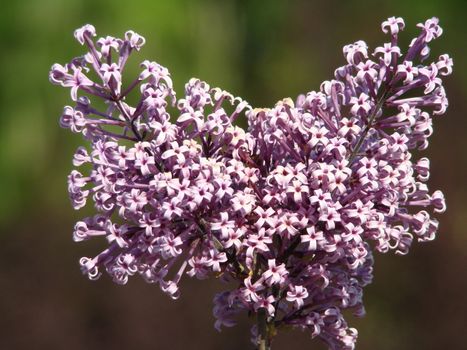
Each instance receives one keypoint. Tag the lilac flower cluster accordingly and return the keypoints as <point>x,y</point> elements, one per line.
<point>290,209</point>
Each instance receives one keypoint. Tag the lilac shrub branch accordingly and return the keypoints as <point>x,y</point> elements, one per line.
<point>290,209</point>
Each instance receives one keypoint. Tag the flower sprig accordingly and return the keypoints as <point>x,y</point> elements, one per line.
<point>291,208</point>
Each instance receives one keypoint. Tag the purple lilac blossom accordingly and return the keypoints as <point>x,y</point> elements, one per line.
<point>291,208</point>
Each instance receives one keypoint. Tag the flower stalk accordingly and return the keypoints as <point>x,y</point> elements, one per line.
<point>264,341</point>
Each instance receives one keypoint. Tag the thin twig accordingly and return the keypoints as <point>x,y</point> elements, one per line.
<point>263,338</point>
<point>368,126</point>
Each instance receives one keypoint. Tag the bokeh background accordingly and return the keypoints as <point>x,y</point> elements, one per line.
<point>262,51</point>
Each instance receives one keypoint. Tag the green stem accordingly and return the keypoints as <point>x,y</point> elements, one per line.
<point>263,334</point>
<point>371,119</point>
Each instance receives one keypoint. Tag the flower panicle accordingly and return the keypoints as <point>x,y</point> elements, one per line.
<point>291,208</point>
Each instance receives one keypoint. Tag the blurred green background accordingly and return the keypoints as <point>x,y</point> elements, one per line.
<point>262,51</point>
